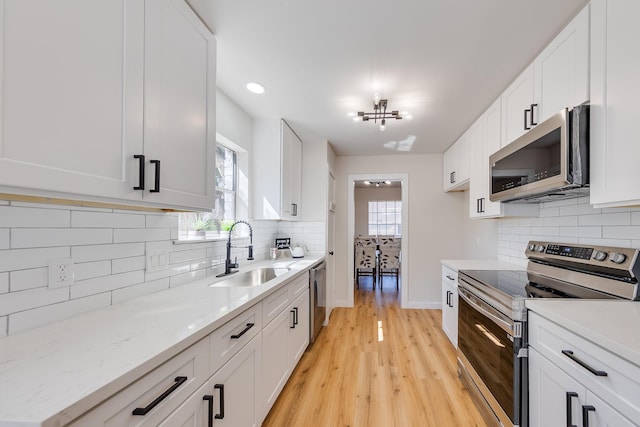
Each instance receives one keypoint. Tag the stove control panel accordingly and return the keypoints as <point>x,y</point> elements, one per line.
<point>569,251</point>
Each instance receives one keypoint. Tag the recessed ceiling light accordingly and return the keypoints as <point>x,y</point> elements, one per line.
<point>255,87</point>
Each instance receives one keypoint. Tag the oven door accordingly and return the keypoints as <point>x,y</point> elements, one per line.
<point>489,344</point>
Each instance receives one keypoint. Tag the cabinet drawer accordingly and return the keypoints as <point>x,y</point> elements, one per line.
<point>449,276</point>
<point>274,304</point>
<point>298,286</point>
<point>117,411</point>
<point>620,387</point>
<point>228,339</point>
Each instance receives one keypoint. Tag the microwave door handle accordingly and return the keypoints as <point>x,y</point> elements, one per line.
<point>504,325</point>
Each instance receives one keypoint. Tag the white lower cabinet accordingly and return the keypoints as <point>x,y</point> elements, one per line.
<point>573,381</point>
<point>450,304</point>
<point>140,403</point>
<point>229,398</point>
<point>285,339</point>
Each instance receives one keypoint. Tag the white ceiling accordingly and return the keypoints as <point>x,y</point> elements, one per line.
<point>443,61</point>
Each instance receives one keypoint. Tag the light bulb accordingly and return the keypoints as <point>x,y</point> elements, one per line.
<point>376,98</point>
<point>383,125</point>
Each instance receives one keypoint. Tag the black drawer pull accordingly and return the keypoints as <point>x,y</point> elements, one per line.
<point>209,398</point>
<point>585,414</point>
<point>140,158</point>
<point>595,372</point>
<point>156,187</point>
<point>532,122</point>
<point>244,331</point>
<point>570,395</point>
<point>293,323</point>
<point>143,411</point>
<point>220,415</point>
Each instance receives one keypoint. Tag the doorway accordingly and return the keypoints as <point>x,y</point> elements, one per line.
<point>357,219</point>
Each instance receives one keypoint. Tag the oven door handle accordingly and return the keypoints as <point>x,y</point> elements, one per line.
<point>508,327</point>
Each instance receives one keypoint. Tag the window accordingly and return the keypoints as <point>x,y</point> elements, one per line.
<point>201,225</point>
<point>385,217</point>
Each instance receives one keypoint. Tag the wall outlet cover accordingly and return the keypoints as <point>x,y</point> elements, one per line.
<point>61,272</point>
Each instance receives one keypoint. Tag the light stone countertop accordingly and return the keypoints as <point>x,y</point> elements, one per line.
<point>52,374</point>
<point>612,325</point>
<point>480,264</point>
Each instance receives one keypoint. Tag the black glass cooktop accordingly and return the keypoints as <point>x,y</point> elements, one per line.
<point>511,282</point>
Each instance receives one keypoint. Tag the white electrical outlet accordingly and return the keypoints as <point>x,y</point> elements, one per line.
<point>157,260</point>
<point>60,272</point>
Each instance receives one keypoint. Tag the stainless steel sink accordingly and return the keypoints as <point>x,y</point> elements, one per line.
<point>252,278</point>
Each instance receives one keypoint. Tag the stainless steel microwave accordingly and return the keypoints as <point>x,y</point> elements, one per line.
<point>550,162</point>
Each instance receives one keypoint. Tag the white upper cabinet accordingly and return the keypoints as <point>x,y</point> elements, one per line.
<point>88,85</point>
<point>72,85</point>
<point>456,163</point>
<point>557,79</point>
<point>516,107</point>
<point>277,166</point>
<point>179,105</point>
<point>615,90</point>
<point>561,71</point>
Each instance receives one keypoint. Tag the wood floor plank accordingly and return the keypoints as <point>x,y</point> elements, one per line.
<point>377,365</point>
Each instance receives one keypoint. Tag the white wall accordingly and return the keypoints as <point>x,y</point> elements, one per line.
<point>571,221</point>
<point>362,198</point>
<point>435,223</point>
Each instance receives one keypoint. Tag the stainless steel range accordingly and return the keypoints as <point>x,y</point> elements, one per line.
<point>492,333</point>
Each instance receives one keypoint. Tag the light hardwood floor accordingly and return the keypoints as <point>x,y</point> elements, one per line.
<point>377,365</point>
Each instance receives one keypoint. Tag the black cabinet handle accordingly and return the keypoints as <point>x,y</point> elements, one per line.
<point>452,177</point>
<point>220,415</point>
<point>449,277</point>
<point>140,158</point>
<point>244,331</point>
<point>143,411</point>
<point>294,209</point>
<point>570,395</point>
<point>293,323</point>
<point>482,205</point>
<point>209,398</point>
<point>585,414</point>
<point>595,372</point>
<point>526,127</point>
<point>330,252</point>
<point>156,188</point>
<point>448,298</point>
<point>532,122</point>
<point>295,316</point>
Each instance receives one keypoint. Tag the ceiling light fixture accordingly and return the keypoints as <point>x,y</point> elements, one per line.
<point>255,87</point>
<point>379,113</point>
<point>377,183</point>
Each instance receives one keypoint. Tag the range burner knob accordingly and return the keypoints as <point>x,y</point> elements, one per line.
<point>600,256</point>
<point>539,248</point>
<point>532,246</point>
<point>618,258</point>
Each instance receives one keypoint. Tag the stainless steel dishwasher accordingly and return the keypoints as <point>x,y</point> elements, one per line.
<point>318,291</point>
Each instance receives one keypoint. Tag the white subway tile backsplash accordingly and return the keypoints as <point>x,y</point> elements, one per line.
<point>11,216</point>
<point>89,270</point>
<point>545,231</point>
<point>21,280</point>
<point>123,265</point>
<point>579,210</point>
<point>107,220</point>
<point>40,316</point>
<point>622,243</point>
<point>4,238</point>
<point>91,236</point>
<point>104,252</point>
<point>19,301</point>
<point>146,288</point>
<point>630,232</point>
<point>619,218</point>
<point>40,237</point>
<point>4,283</point>
<point>587,232</point>
<point>635,218</point>
<point>141,235</point>
<point>21,259</point>
<point>99,285</point>
<point>547,212</point>
<point>162,221</point>
<point>109,250</point>
<point>181,279</point>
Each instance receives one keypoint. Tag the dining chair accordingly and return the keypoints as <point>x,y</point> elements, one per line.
<point>365,259</point>
<point>389,263</point>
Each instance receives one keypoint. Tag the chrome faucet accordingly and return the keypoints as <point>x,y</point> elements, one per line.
<point>228,265</point>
